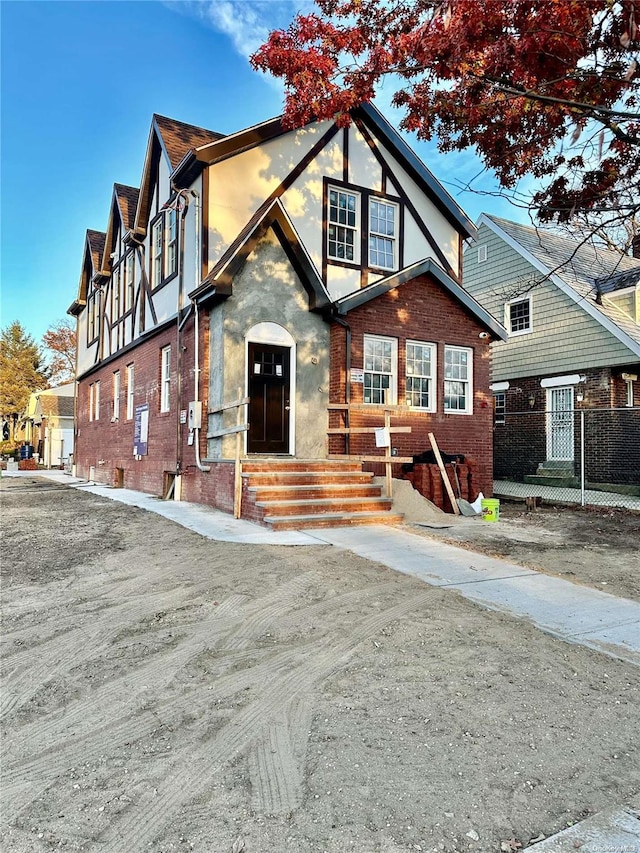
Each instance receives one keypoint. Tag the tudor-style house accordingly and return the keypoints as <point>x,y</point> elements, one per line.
<point>315,273</point>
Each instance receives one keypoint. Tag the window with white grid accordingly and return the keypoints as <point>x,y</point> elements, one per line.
<point>343,226</point>
<point>380,369</point>
<point>172,243</point>
<point>130,391</point>
<point>157,236</point>
<point>421,371</point>
<point>383,220</point>
<point>458,374</point>
<point>518,316</point>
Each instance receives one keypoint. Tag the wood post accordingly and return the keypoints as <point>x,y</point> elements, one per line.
<point>445,478</point>
<point>237,484</point>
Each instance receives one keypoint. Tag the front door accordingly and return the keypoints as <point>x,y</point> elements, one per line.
<point>560,424</point>
<point>269,406</point>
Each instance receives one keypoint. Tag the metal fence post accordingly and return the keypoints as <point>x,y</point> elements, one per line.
<point>582,483</point>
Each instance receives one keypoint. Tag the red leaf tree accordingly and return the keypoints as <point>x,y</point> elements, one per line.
<point>547,88</point>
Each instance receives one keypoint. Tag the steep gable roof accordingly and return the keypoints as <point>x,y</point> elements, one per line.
<point>580,270</point>
<point>172,140</point>
<point>91,259</point>
<point>272,215</point>
<point>124,201</point>
<point>233,144</point>
<point>52,405</point>
<point>128,202</point>
<point>426,267</point>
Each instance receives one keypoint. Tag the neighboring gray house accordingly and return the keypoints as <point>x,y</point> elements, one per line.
<point>573,316</point>
<point>48,424</point>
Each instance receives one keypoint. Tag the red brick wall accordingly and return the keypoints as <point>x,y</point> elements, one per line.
<point>108,445</point>
<point>419,310</point>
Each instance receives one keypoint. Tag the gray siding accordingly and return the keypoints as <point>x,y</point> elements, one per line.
<point>565,339</point>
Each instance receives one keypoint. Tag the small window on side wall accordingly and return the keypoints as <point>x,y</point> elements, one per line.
<point>499,408</point>
<point>518,316</point>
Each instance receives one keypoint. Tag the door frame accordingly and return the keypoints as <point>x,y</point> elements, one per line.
<point>550,410</point>
<point>273,334</point>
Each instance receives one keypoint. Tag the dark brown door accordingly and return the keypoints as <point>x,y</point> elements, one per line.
<point>269,403</point>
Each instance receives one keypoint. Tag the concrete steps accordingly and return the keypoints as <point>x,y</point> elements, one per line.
<point>559,474</point>
<point>295,494</point>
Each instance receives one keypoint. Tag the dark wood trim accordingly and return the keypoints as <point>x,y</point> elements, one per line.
<point>345,155</point>
<point>426,233</point>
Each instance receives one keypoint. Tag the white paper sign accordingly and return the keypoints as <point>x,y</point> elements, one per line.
<point>357,375</point>
<point>383,439</point>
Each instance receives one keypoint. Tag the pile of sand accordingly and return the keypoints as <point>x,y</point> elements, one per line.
<point>416,508</point>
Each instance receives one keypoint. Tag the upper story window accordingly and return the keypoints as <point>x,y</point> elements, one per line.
<point>383,218</point>
<point>421,372</point>
<point>93,315</point>
<point>380,369</point>
<point>517,316</point>
<point>116,281</point>
<point>362,228</point>
<point>344,224</point>
<point>458,374</point>
<point>128,283</point>
<point>164,247</point>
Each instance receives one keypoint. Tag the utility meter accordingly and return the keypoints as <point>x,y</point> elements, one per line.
<point>194,417</point>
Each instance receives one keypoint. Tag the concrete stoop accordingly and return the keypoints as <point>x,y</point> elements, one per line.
<point>615,830</point>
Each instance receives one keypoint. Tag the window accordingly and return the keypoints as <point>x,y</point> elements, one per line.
<point>91,401</point>
<point>93,314</point>
<point>94,404</point>
<point>628,392</point>
<point>128,282</point>
<point>157,234</point>
<point>380,369</point>
<point>421,371</point>
<point>116,395</point>
<point>115,285</point>
<point>458,372</point>
<point>383,217</point>
<point>499,408</point>
<point>343,225</point>
<point>518,316</point>
<point>172,244</point>
<point>130,390</point>
<point>482,254</point>
<point>165,379</point>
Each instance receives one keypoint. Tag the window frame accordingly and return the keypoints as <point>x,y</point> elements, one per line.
<point>629,393</point>
<point>170,242</point>
<point>468,382</point>
<point>393,374</point>
<point>129,275</point>
<point>93,316</point>
<point>499,408</point>
<point>508,319</point>
<point>381,200</point>
<point>116,395</point>
<point>96,402</point>
<point>130,391</point>
<point>431,378</point>
<point>356,228</point>
<point>156,252</point>
<point>91,402</point>
<point>483,253</point>
<point>165,379</point>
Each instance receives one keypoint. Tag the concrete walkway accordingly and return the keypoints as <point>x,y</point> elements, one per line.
<point>572,612</point>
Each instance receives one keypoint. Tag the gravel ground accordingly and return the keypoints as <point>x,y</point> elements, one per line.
<point>163,692</point>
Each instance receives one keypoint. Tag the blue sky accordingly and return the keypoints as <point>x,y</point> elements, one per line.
<point>80,82</point>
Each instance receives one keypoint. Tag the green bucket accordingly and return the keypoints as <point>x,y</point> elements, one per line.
<point>490,509</point>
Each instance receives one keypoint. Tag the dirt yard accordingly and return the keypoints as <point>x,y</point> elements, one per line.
<point>163,692</point>
<point>598,547</point>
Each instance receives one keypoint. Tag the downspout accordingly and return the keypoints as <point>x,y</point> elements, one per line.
<point>347,385</point>
<point>196,375</point>
<point>183,217</point>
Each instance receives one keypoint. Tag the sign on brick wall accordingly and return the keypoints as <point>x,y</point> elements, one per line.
<point>141,430</point>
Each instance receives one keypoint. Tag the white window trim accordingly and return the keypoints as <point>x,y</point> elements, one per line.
<point>393,239</point>
<point>156,252</point>
<point>357,228</point>
<point>96,395</point>
<point>482,253</point>
<point>116,395</point>
<point>433,378</point>
<point>628,393</point>
<point>468,410</point>
<point>165,379</point>
<point>393,383</point>
<point>169,242</point>
<point>503,413</point>
<point>507,316</point>
<point>129,267</point>
<point>130,391</point>
<point>91,401</point>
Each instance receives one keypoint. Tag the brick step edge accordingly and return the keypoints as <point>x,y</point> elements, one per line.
<point>344,519</point>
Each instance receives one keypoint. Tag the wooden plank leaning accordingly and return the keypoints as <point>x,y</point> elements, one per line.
<point>445,479</point>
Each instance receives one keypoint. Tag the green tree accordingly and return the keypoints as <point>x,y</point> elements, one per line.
<point>22,371</point>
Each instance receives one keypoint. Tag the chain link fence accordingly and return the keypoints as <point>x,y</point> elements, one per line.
<point>589,457</point>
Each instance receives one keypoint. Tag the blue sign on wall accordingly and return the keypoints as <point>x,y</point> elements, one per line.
<point>141,430</point>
